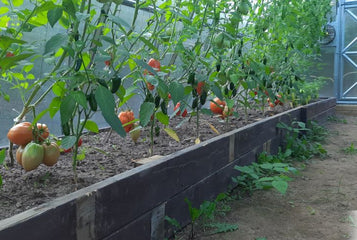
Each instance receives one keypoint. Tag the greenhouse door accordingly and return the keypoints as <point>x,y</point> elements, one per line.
<point>346,53</point>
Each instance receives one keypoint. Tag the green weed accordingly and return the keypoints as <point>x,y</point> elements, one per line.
<point>350,150</point>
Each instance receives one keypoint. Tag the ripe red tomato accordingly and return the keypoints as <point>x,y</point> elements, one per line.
<point>150,86</point>
<point>155,64</point>
<point>126,117</point>
<point>184,114</point>
<point>200,87</point>
<point>107,63</point>
<point>9,54</point>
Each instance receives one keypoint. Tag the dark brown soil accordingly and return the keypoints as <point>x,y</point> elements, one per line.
<point>105,155</point>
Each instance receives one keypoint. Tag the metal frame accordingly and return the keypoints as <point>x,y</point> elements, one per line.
<point>342,52</point>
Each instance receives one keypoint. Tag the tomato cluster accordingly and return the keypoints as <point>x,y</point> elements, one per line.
<point>34,148</point>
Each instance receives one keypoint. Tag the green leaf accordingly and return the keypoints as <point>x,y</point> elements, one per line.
<point>108,39</point>
<point>68,141</point>
<point>91,126</point>
<point>194,212</point>
<point>177,92</point>
<point>59,88</point>
<point>8,62</point>
<point>17,3</point>
<point>281,186</point>
<point>3,10</point>
<point>54,15</point>
<point>106,102</point>
<point>67,108</point>
<point>54,106</point>
<point>217,91</point>
<point>163,118</point>
<point>119,21</point>
<point>6,41</point>
<point>146,111</point>
<point>173,222</point>
<point>2,156</point>
<point>69,7</point>
<point>149,44</point>
<point>55,42</point>
<point>40,115</point>
<point>80,98</point>
<point>172,134</point>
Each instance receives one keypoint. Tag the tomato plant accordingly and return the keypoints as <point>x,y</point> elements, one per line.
<point>224,49</point>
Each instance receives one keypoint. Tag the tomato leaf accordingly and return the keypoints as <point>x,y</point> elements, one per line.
<point>91,126</point>
<point>163,118</point>
<point>172,134</point>
<point>106,102</point>
<point>217,91</point>
<point>69,7</point>
<point>146,111</point>
<point>54,15</point>
<point>55,42</point>
<point>177,92</point>
<point>8,62</point>
<point>149,44</point>
<point>54,106</point>
<point>67,108</point>
<point>119,21</point>
<point>6,41</point>
<point>80,98</point>
<point>68,142</point>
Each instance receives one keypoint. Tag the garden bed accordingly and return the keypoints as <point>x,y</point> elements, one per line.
<point>134,201</point>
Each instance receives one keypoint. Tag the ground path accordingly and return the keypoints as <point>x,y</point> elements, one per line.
<point>319,203</point>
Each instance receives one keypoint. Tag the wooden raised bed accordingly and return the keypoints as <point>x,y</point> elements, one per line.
<point>132,205</point>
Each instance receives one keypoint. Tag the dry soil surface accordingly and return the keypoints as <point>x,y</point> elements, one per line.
<point>321,202</point>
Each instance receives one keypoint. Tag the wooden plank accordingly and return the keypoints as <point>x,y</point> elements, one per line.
<point>142,161</point>
<point>55,223</point>
<point>256,134</point>
<point>123,201</point>
<point>85,217</point>
<point>205,190</point>
<point>310,110</point>
<point>139,229</point>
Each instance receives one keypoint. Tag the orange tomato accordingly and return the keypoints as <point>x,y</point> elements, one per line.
<point>19,153</point>
<point>217,106</point>
<point>20,134</point>
<point>126,117</point>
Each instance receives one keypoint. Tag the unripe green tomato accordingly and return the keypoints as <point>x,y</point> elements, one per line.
<point>32,156</point>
